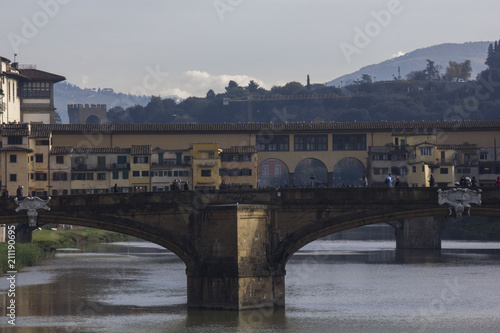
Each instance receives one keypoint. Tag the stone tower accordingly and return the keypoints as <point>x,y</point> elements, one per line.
<point>93,114</point>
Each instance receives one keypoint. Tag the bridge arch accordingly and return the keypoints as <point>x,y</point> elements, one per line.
<point>273,172</point>
<point>332,224</point>
<point>311,172</point>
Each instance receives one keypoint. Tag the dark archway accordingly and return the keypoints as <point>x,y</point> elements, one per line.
<point>93,120</point>
<point>348,172</point>
<point>272,173</point>
<point>311,173</point>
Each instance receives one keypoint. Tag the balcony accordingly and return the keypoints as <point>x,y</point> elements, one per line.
<point>100,167</point>
<point>169,163</point>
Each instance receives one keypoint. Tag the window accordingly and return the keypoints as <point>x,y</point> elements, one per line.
<point>235,172</point>
<point>101,162</point>
<point>36,89</point>
<point>483,156</point>
<point>101,176</point>
<point>125,175</point>
<point>15,140</point>
<point>272,142</point>
<point>121,160</point>
<point>413,169</point>
<point>425,151</point>
<point>59,159</point>
<point>463,170</point>
<point>145,173</point>
<point>116,175</point>
<point>176,173</point>
<point>13,158</point>
<point>59,176</point>
<point>265,170</point>
<point>211,155</point>
<point>41,142</point>
<point>183,173</point>
<point>13,177</point>
<point>39,158</point>
<point>136,173</point>
<point>82,176</point>
<point>403,171</point>
<point>485,170</point>
<point>40,176</point>
<point>141,159</point>
<point>376,157</point>
<point>206,173</point>
<point>310,142</point>
<point>238,158</point>
<point>277,170</point>
<point>349,141</point>
<point>443,171</point>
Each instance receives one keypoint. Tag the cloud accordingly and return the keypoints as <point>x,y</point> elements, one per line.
<point>198,83</point>
<point>399,54</point>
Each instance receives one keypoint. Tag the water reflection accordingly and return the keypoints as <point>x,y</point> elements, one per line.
<point>340,285</point>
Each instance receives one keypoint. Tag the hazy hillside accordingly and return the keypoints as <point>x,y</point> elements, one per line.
<point>416,60</point>
<point>66,93</point>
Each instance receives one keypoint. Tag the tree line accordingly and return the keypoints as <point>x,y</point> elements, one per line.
<point>423,95</point>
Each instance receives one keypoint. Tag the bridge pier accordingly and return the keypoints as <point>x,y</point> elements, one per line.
<point>24,233</point>
<point>418,233</point>
<point>234,269</point>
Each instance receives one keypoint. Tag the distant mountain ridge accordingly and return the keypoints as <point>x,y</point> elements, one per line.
<point>66,93</point>
<point>441,54</point>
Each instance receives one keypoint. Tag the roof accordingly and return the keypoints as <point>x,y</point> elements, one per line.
<point>14,130</point>
<point>240,150</point>
<point>15,148</point>
<point>465,146</point>
<point>61,150</point>
<point>38,75</point>
<point>265,128</point>
<point>141,150</point>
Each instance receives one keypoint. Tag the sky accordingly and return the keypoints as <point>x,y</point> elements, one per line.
<point>187,47</point>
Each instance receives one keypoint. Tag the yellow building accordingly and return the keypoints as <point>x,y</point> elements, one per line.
<point>205,166</point>
<point>15,155</point>
<point>140,167</point>
<point>168,166</point>
<point>239,167</point>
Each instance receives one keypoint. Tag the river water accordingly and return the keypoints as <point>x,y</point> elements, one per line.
<point>338,284</point>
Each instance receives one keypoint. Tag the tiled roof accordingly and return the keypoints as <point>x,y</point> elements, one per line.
<point>240,150</point>
<point>57,150</point>
<point>14,129</point>
<point>38,75</point>
<point>15,148</point>
<point>266,128</point>
<point>458,147</point>
<point>141,150</point>
<point>61,150</point>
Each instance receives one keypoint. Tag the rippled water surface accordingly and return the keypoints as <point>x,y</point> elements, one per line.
<point>334,285</point>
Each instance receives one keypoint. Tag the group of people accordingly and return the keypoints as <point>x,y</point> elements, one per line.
<point>177,186</point>
<point>19,192</point>
<point>392,182</point>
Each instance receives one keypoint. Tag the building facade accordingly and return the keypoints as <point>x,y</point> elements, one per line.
<point>84,159</point>
<point>26,94</point>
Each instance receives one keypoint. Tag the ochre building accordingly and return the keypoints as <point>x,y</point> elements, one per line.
<point>60,159</point>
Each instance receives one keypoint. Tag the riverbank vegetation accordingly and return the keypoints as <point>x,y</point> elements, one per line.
<point>26,255</point>
<point>47,240</point>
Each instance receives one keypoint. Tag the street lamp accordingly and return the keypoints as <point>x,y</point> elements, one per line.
<point>312,180</point>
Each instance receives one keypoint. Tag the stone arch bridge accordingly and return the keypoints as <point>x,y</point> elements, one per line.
<point>236,244</point>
